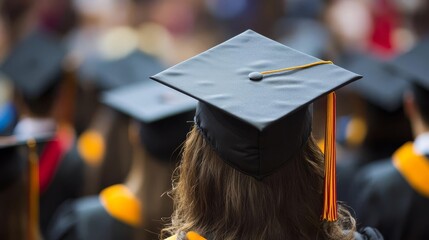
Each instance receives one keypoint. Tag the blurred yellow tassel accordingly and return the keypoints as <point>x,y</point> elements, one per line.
<point>194,236</point>
<point>91,147</point>
<point>330,191</point>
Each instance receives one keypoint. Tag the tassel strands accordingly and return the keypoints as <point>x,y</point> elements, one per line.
<point>33,195</point>
<point>330,189</point>
<point>330,194</point>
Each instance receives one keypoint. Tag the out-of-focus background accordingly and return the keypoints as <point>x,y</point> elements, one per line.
<point>105,43</point>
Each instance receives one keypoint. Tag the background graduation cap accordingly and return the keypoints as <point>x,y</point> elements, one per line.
<point>254,117</point>
<point>414,64</point>
<point>35,64</point>
<point>12,158</point>
<point>164,114</point>
<point>135,66</point>
<point>380,86</point>
<point>106,74</point>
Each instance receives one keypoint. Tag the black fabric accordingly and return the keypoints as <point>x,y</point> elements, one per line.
<point>66,184</point>
<point>253,152</point>
<point>14,156</point>
<point>148,102</point>
<point>385,200</point>
<point>380,85</point>
<point>368,233</point>
<point>12,165</point>
<point>35,63</point>
<point>414,63</point>
<point>353,161</point>
<point>165,115</point>
<point>136,66</point>
<point>87,219</point>
<point>234,105</point>
<point>163,138</point>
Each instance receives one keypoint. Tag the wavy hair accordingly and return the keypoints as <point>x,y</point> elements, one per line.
<point>219,202</point>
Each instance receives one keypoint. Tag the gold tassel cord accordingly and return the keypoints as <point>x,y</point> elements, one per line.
<point>296,67</point>
<point>330,194</point>
<point>33,195</point>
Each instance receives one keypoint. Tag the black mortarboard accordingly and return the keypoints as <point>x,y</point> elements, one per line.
<point>35,63</point>
<point>12,158</point>
<point>134,67</point>
<point>255,126</point>
<point>163,113</point>
<point>380,85</point>
<point>11,163</point>
<point>414,64</point>
<point>254,95</point>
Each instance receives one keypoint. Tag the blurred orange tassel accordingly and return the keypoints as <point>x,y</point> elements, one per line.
<point>330,191</point>
<point>33,196</point>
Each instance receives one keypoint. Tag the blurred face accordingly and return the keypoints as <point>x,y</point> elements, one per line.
<point>177,16</point>
<point>350,22</point>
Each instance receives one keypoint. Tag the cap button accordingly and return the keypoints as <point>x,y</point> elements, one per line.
<point>255,76</point>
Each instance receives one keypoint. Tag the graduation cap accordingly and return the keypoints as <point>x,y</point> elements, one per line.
<point>164,114</point>
<point>414,64</point>
<point>134,67</point>
<point>380,86</point>
<point>255,112</point>
<point>35,64</point>
<point>10,164</point>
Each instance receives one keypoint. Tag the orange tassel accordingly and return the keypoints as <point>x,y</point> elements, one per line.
<point>33,195</point>
<point>330,191</point>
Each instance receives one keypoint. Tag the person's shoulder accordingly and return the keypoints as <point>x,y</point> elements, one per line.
<point>368,233</point>
<point>70,215</point>
<point>113,214</point>
<point>374,184</point>
<point>378,174</point>
<point>116,202</point>
<point>122,204</point>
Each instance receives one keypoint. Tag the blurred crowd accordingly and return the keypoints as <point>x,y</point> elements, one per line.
<point>107,170</point>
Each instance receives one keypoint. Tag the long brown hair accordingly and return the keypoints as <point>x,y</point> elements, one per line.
<point>219,202</point>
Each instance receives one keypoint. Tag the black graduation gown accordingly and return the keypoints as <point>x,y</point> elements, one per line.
<point>66,183</point>
<point>352,162</point>
<point>88,218</point>
<point>368,233</point>
<point>383,198</point>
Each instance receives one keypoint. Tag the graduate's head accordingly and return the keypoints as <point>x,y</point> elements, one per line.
<point>254,116</point>
<point>164,116</point>
<point>35,66</point>
<point>161,119</point>
<point>41,105</point>
<point>211,196</point>
<point>414,67</point>
<point>377,99</point>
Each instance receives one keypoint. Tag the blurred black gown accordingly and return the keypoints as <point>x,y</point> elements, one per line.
<point>61,178</point>
<point>393,195</point>
<point>114,214</point>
